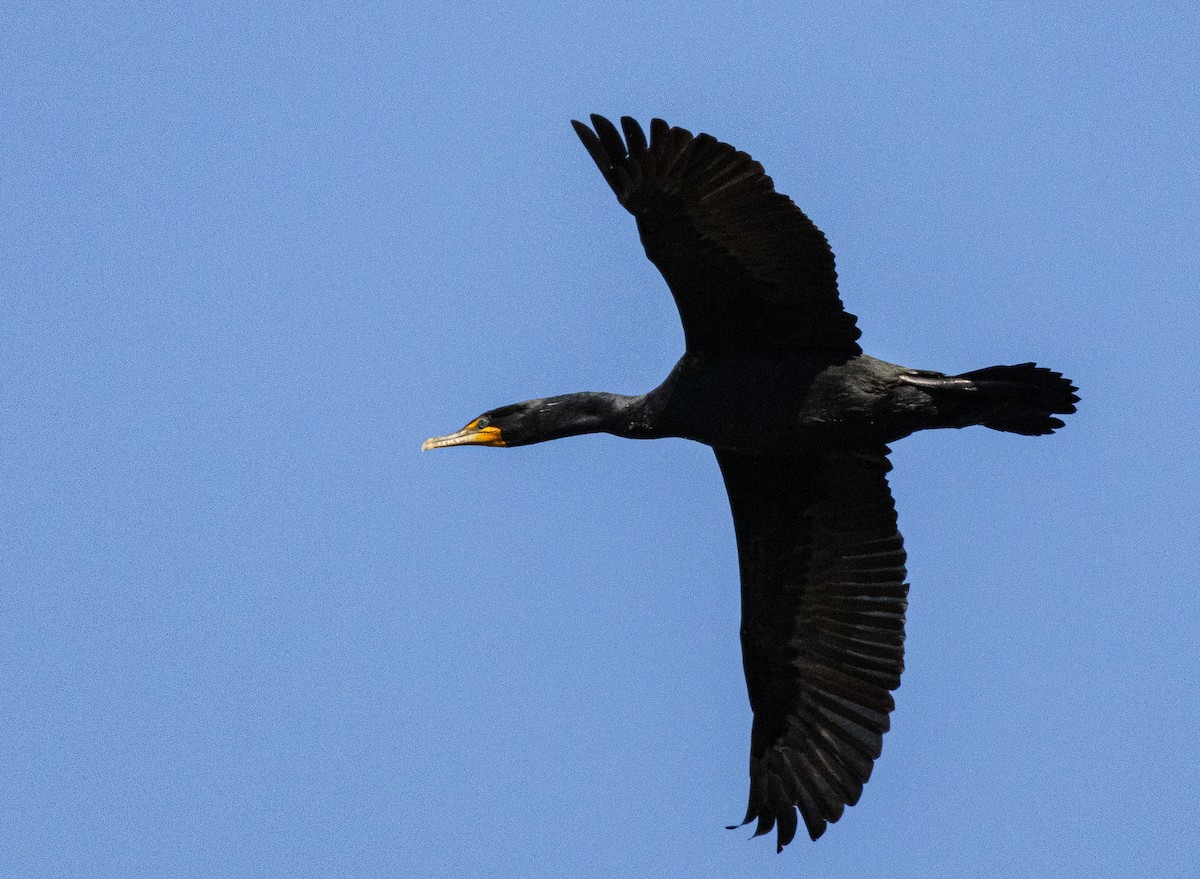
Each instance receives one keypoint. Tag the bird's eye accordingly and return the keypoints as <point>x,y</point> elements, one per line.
<point>481,422</point>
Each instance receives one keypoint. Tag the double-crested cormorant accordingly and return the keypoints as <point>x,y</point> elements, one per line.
<point>774,380</point>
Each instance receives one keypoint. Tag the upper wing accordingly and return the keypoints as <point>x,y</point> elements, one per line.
<point>823,601</point>
<point>746,267</point>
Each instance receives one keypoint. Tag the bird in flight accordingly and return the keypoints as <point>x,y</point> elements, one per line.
<point>773,379</point>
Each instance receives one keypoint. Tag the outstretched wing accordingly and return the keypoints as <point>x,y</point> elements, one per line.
<point>747,268</point>
<point>823,601</point>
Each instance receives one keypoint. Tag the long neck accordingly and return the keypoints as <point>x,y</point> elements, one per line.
<point>590,412</point>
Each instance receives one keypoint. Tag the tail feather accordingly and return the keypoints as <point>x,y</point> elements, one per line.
<point>1026,397</point>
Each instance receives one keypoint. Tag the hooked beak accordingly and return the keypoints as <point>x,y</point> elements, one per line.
<point>471,435</point>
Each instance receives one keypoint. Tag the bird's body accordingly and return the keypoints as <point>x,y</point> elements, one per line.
<point>773,379</point>
<point>792,402</point>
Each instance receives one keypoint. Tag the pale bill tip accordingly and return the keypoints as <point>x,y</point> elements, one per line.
<point>440,442</point>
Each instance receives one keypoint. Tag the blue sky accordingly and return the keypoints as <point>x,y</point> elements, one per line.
<point>251,255</point>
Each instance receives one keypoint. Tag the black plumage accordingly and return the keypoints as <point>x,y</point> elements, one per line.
<point>773,379</point>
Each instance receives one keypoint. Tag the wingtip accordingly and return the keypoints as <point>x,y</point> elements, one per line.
<point>766,823</point>
<point>749,817</point>
<point>583,132</point>
<point>597,119</point>
<point>817,831</point>
<point>635,138</point>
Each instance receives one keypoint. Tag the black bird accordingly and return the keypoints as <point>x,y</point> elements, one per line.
<point>800,419</point>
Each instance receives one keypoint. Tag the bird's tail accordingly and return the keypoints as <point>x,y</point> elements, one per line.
<point>1024,398</point>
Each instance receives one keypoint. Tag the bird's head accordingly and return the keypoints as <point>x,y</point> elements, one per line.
<point>536,421</point>
<point>515,425</point>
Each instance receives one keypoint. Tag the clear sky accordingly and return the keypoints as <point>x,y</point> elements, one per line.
<point>252,254</point>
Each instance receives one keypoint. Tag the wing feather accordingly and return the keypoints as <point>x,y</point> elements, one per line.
<point>747,268</point>
<point>823,604</point>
